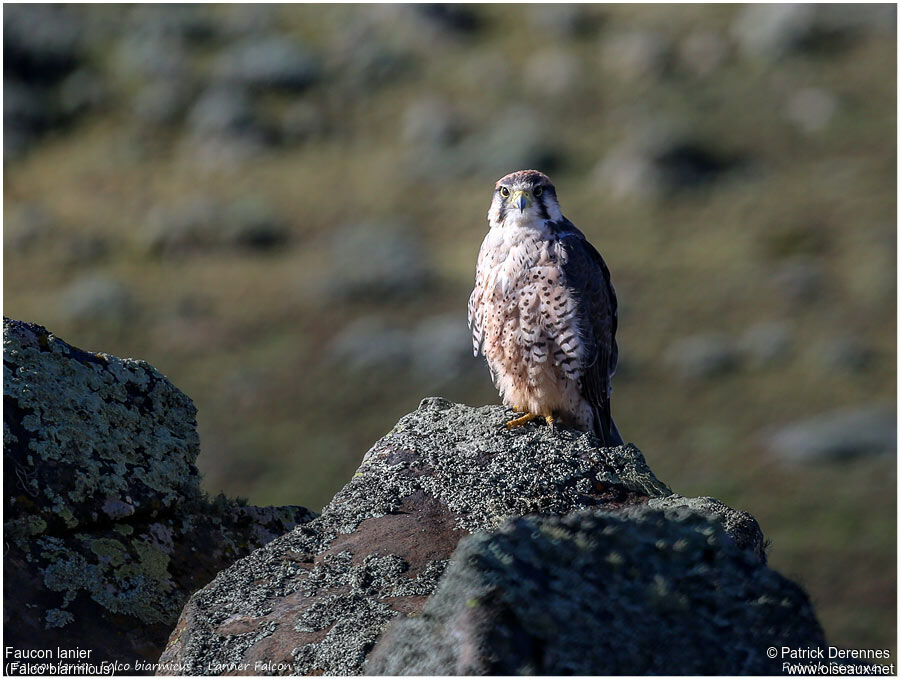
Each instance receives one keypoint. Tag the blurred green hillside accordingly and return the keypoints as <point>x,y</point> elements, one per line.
<point>280,208</point>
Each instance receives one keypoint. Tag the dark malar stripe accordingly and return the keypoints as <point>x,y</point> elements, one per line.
<point>542,208</point>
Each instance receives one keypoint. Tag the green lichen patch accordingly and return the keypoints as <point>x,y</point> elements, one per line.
<point>57,618</point>
<point>153,561</point>
<point>109,551</point>
<point>24,528</point>
<point>65,513</point>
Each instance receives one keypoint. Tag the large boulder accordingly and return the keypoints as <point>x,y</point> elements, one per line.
<point>106,529</point>
<point>317,600</point>
<point>647,591</point>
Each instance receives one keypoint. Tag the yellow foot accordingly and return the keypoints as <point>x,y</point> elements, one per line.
<point>519,421</point>
<point>551,421</point>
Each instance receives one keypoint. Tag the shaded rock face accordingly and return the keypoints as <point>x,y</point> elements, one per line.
<point>316,600</point>
<point>106,529</point>
<point>645,592</point>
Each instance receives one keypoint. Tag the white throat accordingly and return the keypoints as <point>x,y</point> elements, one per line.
<point>525,221</point>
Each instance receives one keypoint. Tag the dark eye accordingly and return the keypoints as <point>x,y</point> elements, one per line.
<point>538,190</point>
<point>504,192</point>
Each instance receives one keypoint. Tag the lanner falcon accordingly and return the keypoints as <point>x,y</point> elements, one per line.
<point>543,311</point>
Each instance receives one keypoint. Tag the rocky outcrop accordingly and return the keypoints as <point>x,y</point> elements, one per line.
<point>106,529</point>
<point>645,591</point>
<point>457,547</point>
<point>318,600</point>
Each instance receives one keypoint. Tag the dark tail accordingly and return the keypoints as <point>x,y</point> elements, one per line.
<point>606,428</point>
<point>615,438</point>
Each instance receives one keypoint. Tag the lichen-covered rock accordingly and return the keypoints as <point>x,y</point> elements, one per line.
<point>741,527</point>
<point>106,529</point>
<point>89,437</point>
<point>316,600</point>
<point>600,593</point>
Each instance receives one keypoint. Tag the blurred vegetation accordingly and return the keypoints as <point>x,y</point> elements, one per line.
<point>280,208</point>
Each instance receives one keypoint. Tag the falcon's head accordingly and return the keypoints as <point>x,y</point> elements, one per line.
<point>524,198</point>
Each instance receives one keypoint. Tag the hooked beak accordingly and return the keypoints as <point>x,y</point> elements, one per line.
<point>522,199</point>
